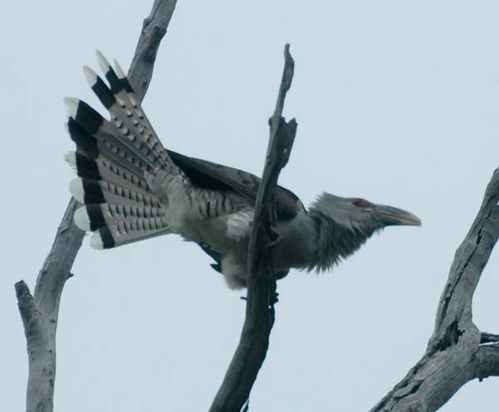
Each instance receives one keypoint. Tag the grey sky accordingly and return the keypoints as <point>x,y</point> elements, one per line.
<point>397,102</point>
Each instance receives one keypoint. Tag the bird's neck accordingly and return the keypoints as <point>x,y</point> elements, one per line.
<point>335,241</point>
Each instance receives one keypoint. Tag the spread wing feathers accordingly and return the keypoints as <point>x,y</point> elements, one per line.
<point>112,159</point>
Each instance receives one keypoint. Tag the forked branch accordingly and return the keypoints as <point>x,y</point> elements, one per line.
<point>457,352</point>
<point>39,312</point>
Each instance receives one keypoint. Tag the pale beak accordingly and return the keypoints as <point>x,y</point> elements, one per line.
<point>391,216</point>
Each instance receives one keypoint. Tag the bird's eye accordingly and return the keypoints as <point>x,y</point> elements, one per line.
<point>362,203</point>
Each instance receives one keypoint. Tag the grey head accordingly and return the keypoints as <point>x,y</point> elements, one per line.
<point>344,224</point>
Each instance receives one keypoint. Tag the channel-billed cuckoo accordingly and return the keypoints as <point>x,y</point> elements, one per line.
<point>132,188</point>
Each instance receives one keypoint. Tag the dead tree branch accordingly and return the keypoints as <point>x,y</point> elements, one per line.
<point>39,311</point>
<point>457,352</point>
<point>250,353</point>
<point>153,31</point>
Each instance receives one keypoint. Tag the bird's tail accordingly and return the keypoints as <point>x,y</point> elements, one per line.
<point>112,160</point>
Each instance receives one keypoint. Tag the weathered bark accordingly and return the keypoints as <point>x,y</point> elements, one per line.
<point>457,352</point>
<point>251,351</point>
<point>39,311</point>
<point>153,31</point>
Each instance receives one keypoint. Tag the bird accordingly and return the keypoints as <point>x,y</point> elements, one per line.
<point>132,188</point>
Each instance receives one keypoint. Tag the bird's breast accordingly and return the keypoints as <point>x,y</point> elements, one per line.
<point>297,243</point>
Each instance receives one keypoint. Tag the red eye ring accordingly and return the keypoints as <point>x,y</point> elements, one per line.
<point>362,203</point>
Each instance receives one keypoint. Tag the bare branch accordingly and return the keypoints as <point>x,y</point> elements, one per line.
<point>234,392</point>
<point>454,355</point>
<point>153,30</point>
<point>27,308</point>
<point>469,261</point>
<point>39,312</point>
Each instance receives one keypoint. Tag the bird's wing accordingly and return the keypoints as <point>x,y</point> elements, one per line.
<point>214,176</point>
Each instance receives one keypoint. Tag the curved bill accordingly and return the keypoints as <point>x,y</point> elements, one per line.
<point>391,216</point>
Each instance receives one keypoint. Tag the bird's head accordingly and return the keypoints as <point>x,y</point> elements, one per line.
<point>344,224</point>
<point>362,214</point>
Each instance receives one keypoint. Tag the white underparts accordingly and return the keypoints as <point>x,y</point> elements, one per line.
<point>239,225</point>
<point>234,272</point>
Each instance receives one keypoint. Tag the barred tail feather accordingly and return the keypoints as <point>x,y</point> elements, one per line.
<point>100,168</point>
<point>93,135</point>
<point>123,233</point>
<point>111,161</point>
<point>94,216</point>
<point>88,191</point>
<point>126,112</point>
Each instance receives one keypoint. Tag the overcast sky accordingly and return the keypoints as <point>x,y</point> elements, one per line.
<point>397,102</point>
